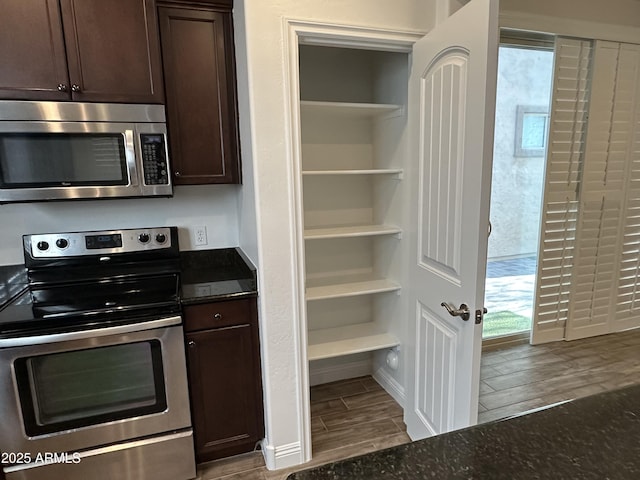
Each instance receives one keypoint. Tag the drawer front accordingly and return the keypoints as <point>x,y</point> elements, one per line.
<point>218,314</point>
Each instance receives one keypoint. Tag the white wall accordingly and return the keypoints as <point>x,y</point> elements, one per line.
<point>615,20</point>
<point>267,170</point>
<point>615,12</point>
<point>213,206</point>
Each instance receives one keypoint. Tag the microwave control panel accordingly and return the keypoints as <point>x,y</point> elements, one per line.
<point>154,159</point>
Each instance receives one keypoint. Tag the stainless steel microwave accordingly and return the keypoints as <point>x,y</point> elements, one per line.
<point>70,150</point>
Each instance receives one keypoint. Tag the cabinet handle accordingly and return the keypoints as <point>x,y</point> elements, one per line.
<point>62,87</point>
<point>191,344</point>
<point>217,316</point>
<point>75,88</point>
<point>177,173</point>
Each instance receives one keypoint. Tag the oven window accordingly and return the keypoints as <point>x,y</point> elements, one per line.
<point>87,387</point>
<point>62,159</point>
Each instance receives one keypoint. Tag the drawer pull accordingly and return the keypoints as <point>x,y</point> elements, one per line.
<point>192,344</point>
<point>217,316</point>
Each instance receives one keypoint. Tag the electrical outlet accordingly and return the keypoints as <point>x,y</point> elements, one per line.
<point>200,235</point>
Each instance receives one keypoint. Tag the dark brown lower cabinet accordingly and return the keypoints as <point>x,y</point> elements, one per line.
<point>225,380</point>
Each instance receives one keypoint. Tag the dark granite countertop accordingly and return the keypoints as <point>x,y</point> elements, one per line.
<point>213,275</point>
<point>596,437</point>
<point>206,276</point>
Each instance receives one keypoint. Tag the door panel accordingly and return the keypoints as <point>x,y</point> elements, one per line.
<point>436,358</point>
<point>440,155</point>
<point>451,112</point>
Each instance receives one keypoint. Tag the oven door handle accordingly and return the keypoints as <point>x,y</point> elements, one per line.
<point>92,333</point>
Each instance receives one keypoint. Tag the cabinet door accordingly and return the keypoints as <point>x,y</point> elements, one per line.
<point>226,391</point>
<point>200,83</point>
<point>32,56</point>
<point>113,50</point>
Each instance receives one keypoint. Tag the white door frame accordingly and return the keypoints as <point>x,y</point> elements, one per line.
<point>335,35</point>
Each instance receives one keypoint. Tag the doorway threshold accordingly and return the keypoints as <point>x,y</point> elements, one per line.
<point>503,341</point>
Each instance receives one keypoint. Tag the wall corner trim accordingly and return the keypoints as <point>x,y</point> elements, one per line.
<point>277,457</point>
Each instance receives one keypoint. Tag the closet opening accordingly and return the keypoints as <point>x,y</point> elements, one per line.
<point>352,131</point>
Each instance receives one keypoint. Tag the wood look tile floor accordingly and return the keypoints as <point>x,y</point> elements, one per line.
<point>357,416</point>
<point>348,418</point>
<point>516,379</point>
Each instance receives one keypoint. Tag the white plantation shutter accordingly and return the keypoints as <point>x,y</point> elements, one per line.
<point>567,132</point>
<point>598,288</point>
<point>627,314</point>
<point>601,196</point>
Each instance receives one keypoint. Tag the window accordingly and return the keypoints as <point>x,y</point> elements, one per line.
<point>532,123</point>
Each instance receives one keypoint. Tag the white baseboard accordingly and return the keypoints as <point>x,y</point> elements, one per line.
<point>282,456</point>
<point>391,385</point>
<point>325,374</point>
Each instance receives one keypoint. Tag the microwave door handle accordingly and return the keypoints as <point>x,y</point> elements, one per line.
<point>130,156</point>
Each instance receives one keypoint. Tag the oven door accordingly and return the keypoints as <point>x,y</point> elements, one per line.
<point>77,390</point>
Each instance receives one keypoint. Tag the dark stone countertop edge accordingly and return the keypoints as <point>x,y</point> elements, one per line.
<point>218,298</point>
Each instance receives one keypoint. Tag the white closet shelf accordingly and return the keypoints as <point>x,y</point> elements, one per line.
<point>350,231</point>
<point>371,171</point>
<point>350,109</point>
<point>339,341</point>
<point>351,289</point>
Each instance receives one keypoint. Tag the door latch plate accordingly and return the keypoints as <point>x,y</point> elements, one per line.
<point>479,314</point>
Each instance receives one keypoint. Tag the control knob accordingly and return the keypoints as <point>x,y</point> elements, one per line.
<point>42,246</point>
<point>62,243</point>
<point>143,238</point>
<point>161,238</point>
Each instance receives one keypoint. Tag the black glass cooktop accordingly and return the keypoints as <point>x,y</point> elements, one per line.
<point>107,300</point>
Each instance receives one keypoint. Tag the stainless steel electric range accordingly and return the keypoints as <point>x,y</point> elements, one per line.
<point>92,367</point>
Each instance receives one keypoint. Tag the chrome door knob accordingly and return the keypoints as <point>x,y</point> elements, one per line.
<point>462,312</point>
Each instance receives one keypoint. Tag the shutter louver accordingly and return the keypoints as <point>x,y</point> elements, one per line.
<point>565,152</point>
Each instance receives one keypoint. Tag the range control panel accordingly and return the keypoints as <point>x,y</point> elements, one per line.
<point>154,159</point>
<point>52,245</point>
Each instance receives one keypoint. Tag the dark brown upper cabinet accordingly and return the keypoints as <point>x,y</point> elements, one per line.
<point>200,88</point>
<point>33,62</point>
<point>81,50</point>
